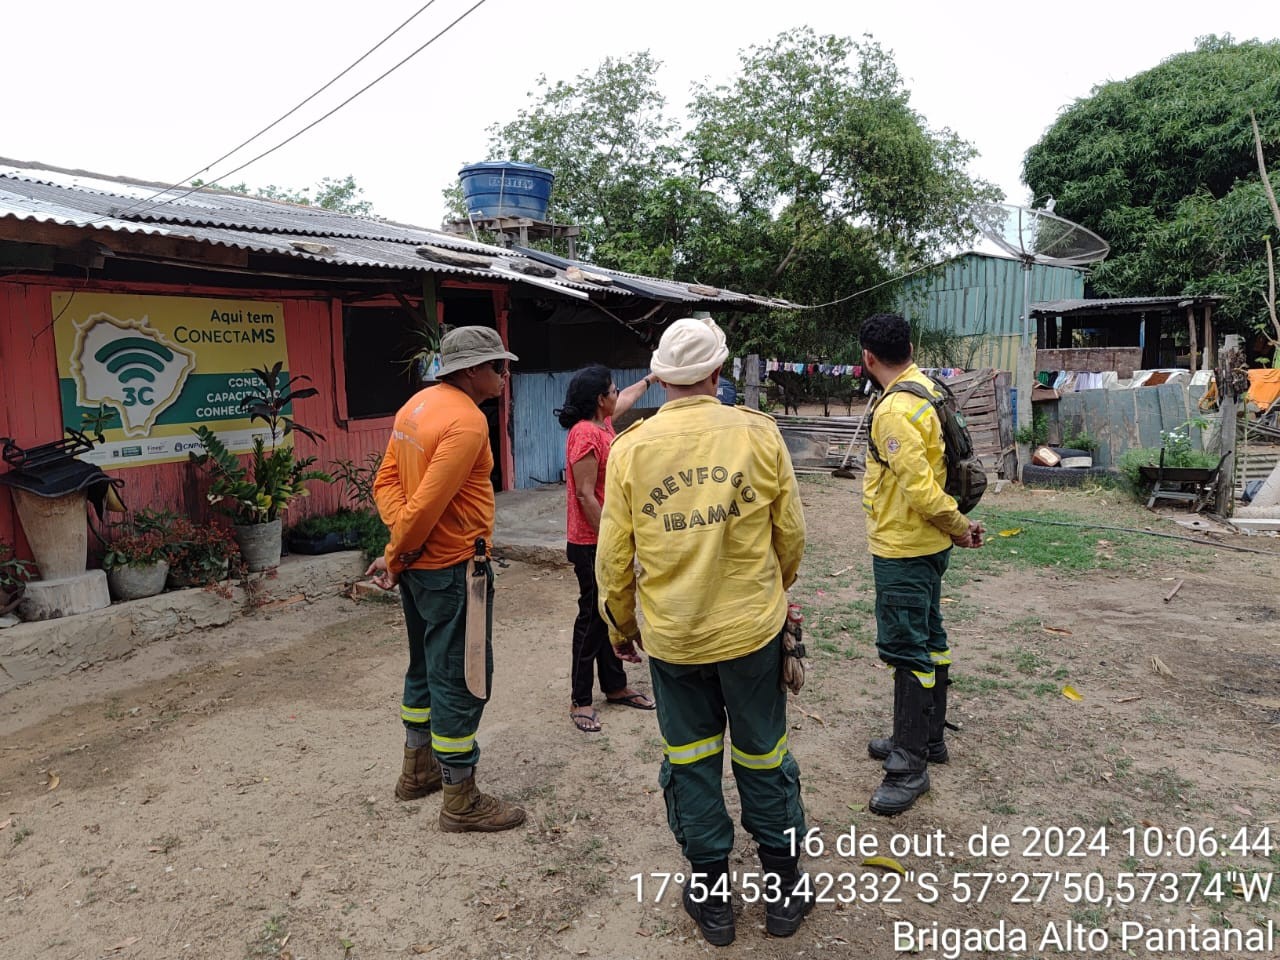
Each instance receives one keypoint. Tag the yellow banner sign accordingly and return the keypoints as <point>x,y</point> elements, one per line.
<point>157,366</point>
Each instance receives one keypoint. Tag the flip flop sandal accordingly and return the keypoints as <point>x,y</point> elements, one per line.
<point>637,700</point>
<point>586,722</point>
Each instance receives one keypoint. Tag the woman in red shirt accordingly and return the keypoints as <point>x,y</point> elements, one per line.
<point>590,404</point>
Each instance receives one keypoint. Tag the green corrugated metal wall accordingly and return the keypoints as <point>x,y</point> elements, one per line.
<point>981,296</point>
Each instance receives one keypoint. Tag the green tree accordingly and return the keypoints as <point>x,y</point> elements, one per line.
<point>1162,166</point>
<point>339,195</point>
<point>808,177</point>
<point>834,181</point>
<point>608,138</point>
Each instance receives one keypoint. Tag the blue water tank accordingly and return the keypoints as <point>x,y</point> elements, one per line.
<point>505,188</point>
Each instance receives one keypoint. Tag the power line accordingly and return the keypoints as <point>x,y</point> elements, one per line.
<point>285,116</point>
<point>877,286</point>
<point>475,6</point>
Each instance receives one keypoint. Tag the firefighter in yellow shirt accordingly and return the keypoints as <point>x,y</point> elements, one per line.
<point>704,496</point>
<point>912,525</point>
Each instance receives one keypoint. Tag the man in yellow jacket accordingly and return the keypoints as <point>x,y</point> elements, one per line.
<point>704,496</point>
<point>912,525</point>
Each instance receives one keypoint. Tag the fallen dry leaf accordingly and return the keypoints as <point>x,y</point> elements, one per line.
<point>123,944</point>
<point>1013,532</point>
<point>887,862</point>
<point>1159,667</point>
<point>54,780</point>
<point>500,916</point>
<point>6,823</point>
<point>423,947</point>
<point>948,600</point>
<point>1243,811</point>
<point>1062,630</point>
<point>1071,693</point>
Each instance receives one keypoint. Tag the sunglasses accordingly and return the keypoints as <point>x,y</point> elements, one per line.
<point>499,367</point>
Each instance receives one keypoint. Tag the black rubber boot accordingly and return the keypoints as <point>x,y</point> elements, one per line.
<point>881,747</point>
<point>711,911</point>
<point>782,915</point>
<point>906,768</point>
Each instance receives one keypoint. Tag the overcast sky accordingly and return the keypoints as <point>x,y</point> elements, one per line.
<point>158,90</point>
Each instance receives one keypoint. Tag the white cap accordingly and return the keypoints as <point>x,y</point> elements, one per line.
<point>691,349</point>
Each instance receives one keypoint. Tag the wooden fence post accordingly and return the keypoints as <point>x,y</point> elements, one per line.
<point>751,382</point>
<point>1225,494</point>
<point>1008,458</point>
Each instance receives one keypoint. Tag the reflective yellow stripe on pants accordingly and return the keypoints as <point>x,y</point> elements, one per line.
<point>452,744</point>
<point>415,714</point>
<point>760,761</point>
<point>693,752</point>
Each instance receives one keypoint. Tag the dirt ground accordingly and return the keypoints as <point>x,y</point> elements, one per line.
<point>229,795</point>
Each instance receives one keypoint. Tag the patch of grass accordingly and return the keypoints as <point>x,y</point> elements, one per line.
<point>1040,544</point>
<point>1160,718</point>
<point>1044,689</point>
<point>21,834</point>
<point>268,941</point>
<point>1093,917</point>
<point>1028,661</point>
<point>969,683</point>
<point>1166,786</point>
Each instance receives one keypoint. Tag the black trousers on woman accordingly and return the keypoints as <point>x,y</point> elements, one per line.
<point>592,650</point>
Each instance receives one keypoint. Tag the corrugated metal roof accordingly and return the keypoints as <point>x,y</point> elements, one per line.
<point>1059,308</point>
<point>76,198</point>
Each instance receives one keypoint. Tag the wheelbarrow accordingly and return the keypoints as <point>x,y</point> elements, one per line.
<point>1194,485</point>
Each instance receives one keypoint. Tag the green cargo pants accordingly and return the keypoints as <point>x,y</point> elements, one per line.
<point>435,686</point>
<point>909,631</point>
<point>694,701</point>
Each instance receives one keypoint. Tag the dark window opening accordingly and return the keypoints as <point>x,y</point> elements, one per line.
<point>376,342</point>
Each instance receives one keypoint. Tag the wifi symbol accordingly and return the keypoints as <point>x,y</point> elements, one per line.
<point>134,358</point>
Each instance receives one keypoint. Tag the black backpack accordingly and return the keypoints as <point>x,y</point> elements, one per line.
<point>966,480</point>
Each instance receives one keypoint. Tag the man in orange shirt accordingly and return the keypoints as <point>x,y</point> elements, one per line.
<point>435,495</point>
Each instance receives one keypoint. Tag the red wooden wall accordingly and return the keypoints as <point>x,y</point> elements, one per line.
<point>30,410</point>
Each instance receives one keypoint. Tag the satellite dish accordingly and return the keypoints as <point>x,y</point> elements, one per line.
<point>1036,236</point>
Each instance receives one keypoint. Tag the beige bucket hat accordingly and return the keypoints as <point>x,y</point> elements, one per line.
<point>469,347</point>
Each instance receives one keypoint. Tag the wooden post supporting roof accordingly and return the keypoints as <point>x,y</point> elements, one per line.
<point>1208,337</point>
<point>1191,332</point>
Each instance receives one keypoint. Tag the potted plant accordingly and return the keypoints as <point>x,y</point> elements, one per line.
<point>257,493</point>
<point>137,564</point>
<point>325,534</point>
<point>14,574</point>
<point>200,555</point>
<point>360,526</point>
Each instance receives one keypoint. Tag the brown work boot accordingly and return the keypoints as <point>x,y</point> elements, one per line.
<point>420,776</point>
<point>466,809</point>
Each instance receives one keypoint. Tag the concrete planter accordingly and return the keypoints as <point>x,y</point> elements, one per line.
<point>260,544</point>
<point>135,582</point>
